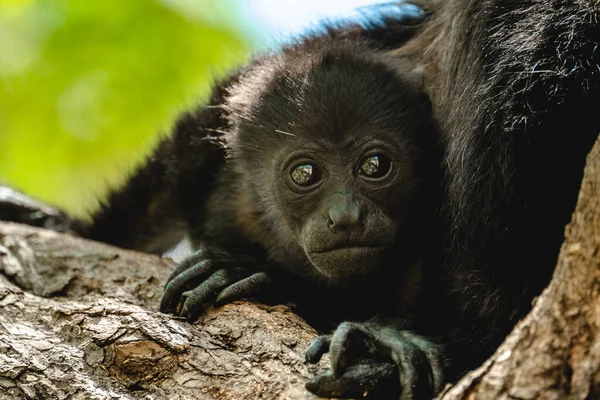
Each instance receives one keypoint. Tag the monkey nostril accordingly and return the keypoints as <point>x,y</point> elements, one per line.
<point>330,222</point>
<point>339,219</point>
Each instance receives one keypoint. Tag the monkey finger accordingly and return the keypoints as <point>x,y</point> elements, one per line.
<point>350,343</point>
<point>177,285</point>
<point>416,375</point>
<point>367,380</point>
<point>195,300</point>
<point>317,348</point>
<point>189,262</point>
<point>246,287</point>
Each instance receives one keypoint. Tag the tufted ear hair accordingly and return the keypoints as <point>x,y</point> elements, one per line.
<point>416,77</point>
<point>413,75</point>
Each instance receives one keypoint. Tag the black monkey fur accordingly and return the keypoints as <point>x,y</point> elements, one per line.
<point>514,87</point>
<point>353,244</point>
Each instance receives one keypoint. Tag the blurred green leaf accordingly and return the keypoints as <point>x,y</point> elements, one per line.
<point>87,86</point>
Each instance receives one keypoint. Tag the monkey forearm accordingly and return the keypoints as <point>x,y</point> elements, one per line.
<point>165,195</point>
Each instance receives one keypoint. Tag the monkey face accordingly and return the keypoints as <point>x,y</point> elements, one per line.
<point>332,148</point>
<point>347,202</point>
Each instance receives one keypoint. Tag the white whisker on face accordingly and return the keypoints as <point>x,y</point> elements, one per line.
<point>221,131</point>
<point>285,133</point>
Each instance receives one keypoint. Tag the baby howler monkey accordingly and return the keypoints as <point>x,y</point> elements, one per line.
<point>514,89</point>
<point>310,178</point>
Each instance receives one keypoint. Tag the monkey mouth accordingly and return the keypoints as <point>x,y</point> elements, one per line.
<point>349,260</point>
<point>356,247</point>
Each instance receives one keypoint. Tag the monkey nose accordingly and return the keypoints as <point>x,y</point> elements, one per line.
<point>343,217</point>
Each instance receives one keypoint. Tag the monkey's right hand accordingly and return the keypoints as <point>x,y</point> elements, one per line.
<point>212,276</point>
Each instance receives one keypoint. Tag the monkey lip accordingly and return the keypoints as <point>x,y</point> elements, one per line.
<point>349,248</point>
<point>348,261</point>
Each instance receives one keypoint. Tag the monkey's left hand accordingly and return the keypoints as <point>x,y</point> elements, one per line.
<point>212,276</point>
<point>18,207</point>
<point>375,360</point>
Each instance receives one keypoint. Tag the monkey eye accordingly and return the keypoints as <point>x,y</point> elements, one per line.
<point>305,174</point>
<point>375,166</point>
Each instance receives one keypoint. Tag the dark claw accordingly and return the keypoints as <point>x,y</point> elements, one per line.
<point>179,282</point>
<point>186,264</point>
<point>350,344</point>
<point>207,273</point>
<point>317,348</point>
<point>247,287</point>
<point>367,380</point>
<point>213,276</point>
<point>194,300</point>
<point>416,375</point>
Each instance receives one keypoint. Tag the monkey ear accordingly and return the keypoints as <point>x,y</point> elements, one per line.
<point>413,75</point>
<point>417,76</point>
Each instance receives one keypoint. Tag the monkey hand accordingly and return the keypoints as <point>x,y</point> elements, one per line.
<point>18,207</point>
<point>212,276</point>
<point>376,361</point>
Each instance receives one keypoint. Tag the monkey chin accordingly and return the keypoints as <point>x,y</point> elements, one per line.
<point>349,262</point>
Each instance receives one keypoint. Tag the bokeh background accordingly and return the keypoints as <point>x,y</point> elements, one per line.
<point>87,87</point>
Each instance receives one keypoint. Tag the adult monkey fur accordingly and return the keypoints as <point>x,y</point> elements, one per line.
<point>515,88</point>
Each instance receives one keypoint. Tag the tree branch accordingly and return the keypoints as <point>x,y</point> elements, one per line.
<point>99,336</point>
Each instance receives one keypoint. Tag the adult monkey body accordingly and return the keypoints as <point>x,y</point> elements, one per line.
<point>515,88</point>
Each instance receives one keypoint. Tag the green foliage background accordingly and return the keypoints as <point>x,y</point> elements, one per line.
<point>87,86</point>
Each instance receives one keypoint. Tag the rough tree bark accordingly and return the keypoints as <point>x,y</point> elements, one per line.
<point>87,327</point>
